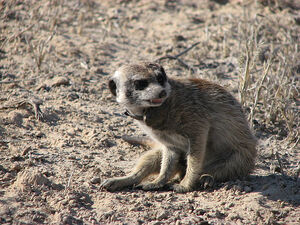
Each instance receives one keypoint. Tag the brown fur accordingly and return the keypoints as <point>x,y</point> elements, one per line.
<point>199,129</point>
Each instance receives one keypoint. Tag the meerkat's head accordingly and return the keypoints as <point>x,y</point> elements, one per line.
<point>138,86</point>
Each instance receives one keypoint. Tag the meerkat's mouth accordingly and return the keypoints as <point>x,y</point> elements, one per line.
<point>156,100</point>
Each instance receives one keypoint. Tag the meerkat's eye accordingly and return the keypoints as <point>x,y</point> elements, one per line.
<point>140,84</point>
<point>160,79</point>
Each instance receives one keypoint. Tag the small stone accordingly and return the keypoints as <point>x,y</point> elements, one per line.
<point>179,38</point>
<point>64,202</point>
<point>95,180</point>
<point>42,87</point>
<point>220,215</point>
<point>72,96</point>
<point>156,223</point>
<point>139,221</point>
<point>195,194</point>
<point>163,215</point>
<point>58,81</point>
<point>200,212</point>
<point>229,205</point>
<point>40,135</point>
<point>72,202</point>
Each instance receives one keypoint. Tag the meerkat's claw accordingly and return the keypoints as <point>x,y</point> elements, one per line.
<point>110,185</point>
<point>206,181</point>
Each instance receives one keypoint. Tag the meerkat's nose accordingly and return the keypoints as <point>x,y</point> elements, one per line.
<point>162,94</point>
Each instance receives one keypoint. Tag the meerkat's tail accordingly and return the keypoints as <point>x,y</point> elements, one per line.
<point>140,140</point>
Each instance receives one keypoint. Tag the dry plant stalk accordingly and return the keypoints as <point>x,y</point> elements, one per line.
<point>245,79</point>
<point>39,50</point>
<point>259,88</point>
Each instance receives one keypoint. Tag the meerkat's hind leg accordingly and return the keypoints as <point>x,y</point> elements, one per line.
<point>148,164</point>
<point>230,166</point>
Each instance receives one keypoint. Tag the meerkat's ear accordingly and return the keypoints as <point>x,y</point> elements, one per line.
<point>163,72</point>
<point>157,66</point>
<point>112,87</point>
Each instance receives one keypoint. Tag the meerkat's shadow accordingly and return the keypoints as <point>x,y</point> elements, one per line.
<point>275,187</point>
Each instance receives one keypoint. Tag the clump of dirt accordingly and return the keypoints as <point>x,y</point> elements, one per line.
<point>30,178</point>
<point>60,128</point>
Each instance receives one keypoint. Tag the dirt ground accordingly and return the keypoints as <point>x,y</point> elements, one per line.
<point>59,54</point>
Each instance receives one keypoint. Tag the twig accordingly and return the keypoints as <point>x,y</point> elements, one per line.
<point>245,81</point>
<point>34,103</point>
<point>69,181</point>
<point>296,143</point>
<point>188,49</point>
<point>259,88</point>
<point>178,55</point>
<point>179,60</point>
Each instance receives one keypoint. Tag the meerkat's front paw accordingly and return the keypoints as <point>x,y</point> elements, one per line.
<point>150,186</point>
<point>206,181</point>
<point>111,184</point>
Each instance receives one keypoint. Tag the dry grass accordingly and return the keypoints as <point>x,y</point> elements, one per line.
<point>269,86</point>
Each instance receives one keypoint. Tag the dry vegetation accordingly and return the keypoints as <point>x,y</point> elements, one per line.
<point>60,129</point>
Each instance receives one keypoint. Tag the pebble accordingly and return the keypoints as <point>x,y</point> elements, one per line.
<point>163,215</point>
<point>95,180</point>
<point>58,81</point>
<point>72,96</point>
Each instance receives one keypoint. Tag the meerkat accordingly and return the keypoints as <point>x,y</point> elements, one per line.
<point>198,130</point>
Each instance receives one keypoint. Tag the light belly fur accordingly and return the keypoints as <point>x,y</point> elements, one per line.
<point>170,140</point>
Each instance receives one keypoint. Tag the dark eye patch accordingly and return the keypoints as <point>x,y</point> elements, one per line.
<point>160,79</point>
<point>140,84</point>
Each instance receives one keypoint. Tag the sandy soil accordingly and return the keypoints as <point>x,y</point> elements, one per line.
<point>61,53</point>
